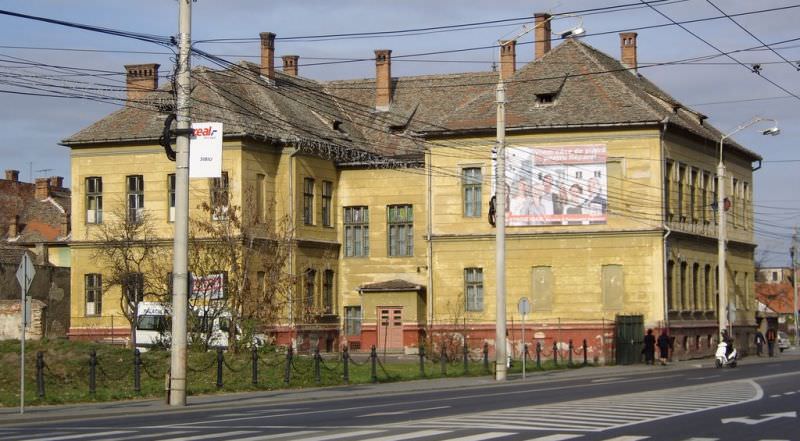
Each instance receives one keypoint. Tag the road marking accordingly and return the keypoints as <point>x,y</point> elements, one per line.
<point>341,435</point>
<point>277,435</point>
<point>412,435</point>
<point>79,436</point>
<point>402,412</point>
<point>207,436</point>
<point>556,437</point>
<point>789,393</point>
<point>702,439</point>
<point>753,421</point>
<point>775,396</point>
<point>146,435</point>
<point>628,438</point>
<point>703,378</point>
<point>606,380</point>
<point>482,436</point>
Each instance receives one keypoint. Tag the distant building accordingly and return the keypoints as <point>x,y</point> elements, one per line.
<point>775,297</point>
<point>388,186</point>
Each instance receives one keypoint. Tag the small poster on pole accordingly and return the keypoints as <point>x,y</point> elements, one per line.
<point>205,150</point>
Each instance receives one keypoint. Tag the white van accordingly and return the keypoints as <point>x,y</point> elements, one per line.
<point>154,326</point>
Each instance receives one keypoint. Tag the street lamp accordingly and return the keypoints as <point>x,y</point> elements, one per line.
<point>722,227</point>
<point>793,253</point>
<point>500,204</point>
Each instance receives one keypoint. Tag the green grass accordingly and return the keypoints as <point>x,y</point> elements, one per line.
<point>66,373</point>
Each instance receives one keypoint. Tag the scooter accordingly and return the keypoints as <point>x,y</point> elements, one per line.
<point>722,359</point>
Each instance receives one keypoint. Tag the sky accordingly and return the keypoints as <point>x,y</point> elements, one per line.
<point>726,89</point>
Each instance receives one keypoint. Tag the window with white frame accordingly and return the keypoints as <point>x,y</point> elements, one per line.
<point>93,285</point>
<point>94,200</point>
<point>471,180</point>
<point>401,230</point>
<point>352,320</point>
<point>220,197</point>
<point>356,231</point>
<point>473,289</point>
<point>135,196</point>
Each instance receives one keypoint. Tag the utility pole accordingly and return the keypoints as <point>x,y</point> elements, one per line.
<point>177,384</point>
<point>793,253</point>
<point>500,236</point>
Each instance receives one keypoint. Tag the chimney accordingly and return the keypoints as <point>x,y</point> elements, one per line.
<point>290,64</point>
<point>142,79</point>
<point>13,227</point>
<point>268,55</point>
<point>42,189</point>
<point>383,79</point>
<point>627,43</point>
<point>542,34</point>
<point>508,59</point>
<point>56,181</point>
<point>12,175</point>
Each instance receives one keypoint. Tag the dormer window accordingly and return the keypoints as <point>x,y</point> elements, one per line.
<point>545,99</point>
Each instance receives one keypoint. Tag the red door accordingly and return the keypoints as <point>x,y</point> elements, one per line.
<point>390,328</point>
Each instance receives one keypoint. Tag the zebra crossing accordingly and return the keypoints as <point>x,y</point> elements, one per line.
<point>606,413</point>
<point>315,435</point>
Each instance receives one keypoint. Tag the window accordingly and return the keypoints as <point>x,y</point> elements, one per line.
<point>671,297</point>
<point>311,275</point>
<point>696,302</point>
<point>133,287</point>
<point>709,303</point>
<point>693,194</point>
<point>683,295</point>
<point>308,201</point>
<point>261,190</point>
<point>93,284</point>
<point>705,194</point>
<point>680,187</point>
<point>94,200</point>
<point>401,230</point>
<point>135,194</point>
<point>352,320</point>
<point>542,288</point>
<point>356,231</point>
<point>774,276</point>
<point>471,180</point>
<point>668,205</point>
<point>220,197</point>
<point>613,286</point>
<point>747,208</point>
<point>327,199</point>
<point>734,197</point>
<point>545,98</point>
<point>473,288</point>
<point>171,197</point>
<point>327,291</point>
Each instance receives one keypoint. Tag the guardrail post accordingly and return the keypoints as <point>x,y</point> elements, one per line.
<point>92,372</point>
<point>346,360</point>
<point>40,374</point>
<point>220,360</point>
<point>137,371</point>
<point>569,363</point>
<point>317,373</point>
<point>422,361</point>
<point>555,353</point>
<point>486,356</point>
<point>254,357</point>
<point>443,360</point>
<point>373,355</point>
<point>287,374</point>
<point>466,357</point>
<point>538,355</point>
<point>585,351</point>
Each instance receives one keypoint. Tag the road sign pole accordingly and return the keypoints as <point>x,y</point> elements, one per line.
<point>23,315</point>
<point>524,347</point>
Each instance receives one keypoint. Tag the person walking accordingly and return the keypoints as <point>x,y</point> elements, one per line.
<point>759,343</point>
<point>771,336</point>
<point>663,347</point>
<point>649,349</point>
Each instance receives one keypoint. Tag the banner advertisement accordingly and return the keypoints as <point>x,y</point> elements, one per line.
<point>561,185</point>
<point>205,150</point>
<point>208,287</point>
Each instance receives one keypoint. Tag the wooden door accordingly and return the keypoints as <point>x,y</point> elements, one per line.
<point>390,328</point>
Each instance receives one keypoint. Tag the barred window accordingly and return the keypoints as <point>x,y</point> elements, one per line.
<point>220,197</point>
<point>401,230</point>
<point>471,180</point>
<point>473,288</point>
<point>308,201</point>
<point>356,231</point>
<point>94,200</point>
<point>135,194</point>
<point>327,201</point>
<point>93,284</point>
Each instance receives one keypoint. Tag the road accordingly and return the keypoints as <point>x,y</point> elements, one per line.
<point>755,401</point>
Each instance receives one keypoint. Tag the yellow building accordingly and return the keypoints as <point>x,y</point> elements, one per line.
<point>388,182</point>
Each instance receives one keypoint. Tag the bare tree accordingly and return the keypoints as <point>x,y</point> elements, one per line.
<point>132,256</point>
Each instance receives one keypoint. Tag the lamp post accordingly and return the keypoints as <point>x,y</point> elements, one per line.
<point>793,253</point>
<point>500,206</point>
<point>722,227</point>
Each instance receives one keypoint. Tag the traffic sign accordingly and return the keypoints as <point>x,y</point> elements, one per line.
<point>524,306</point>
<point>25,273</point>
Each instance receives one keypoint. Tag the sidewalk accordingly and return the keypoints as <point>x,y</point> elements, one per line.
<point>9,415</point>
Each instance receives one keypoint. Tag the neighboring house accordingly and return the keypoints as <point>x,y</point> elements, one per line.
<point>388,185</point>
<point>35,218</point>
<point>774,275</point>
<point>775,297</point>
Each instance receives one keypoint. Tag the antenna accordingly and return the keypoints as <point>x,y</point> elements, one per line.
<point>44,171</point>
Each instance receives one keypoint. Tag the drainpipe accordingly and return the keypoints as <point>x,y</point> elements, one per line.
<point>291,246</point>
<point>665,282</point>
<point>429,238</point>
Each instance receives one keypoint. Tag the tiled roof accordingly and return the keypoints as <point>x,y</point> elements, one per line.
<point>39,220</point>
<point>590,89</point>
<point>392,285</point>
<point>776,296</point>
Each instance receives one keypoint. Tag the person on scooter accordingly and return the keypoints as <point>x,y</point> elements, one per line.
<point>728,343</point>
